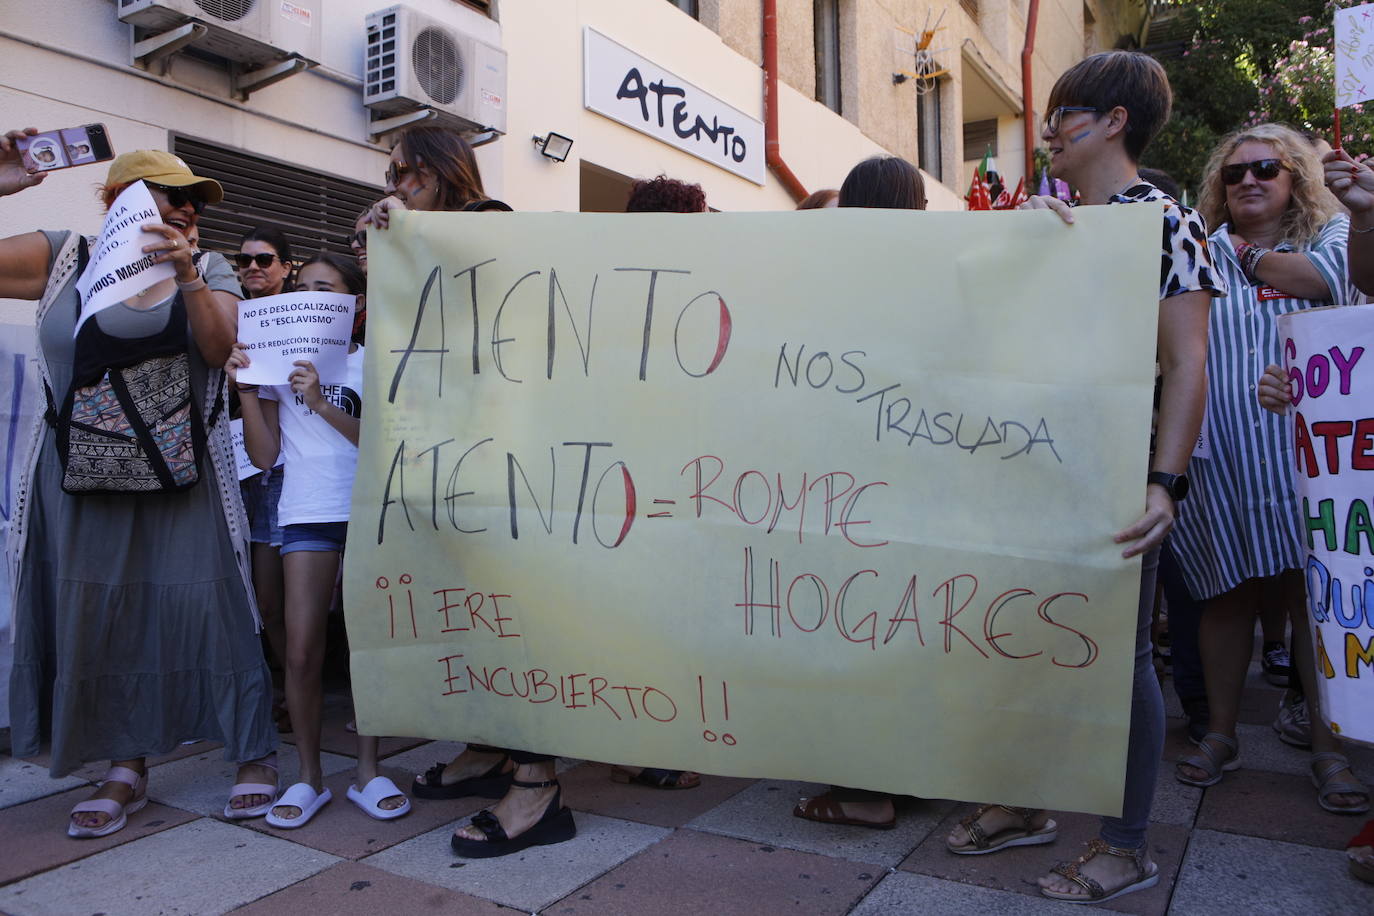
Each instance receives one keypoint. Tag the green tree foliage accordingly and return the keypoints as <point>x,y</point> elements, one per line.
<point>1238,49</point>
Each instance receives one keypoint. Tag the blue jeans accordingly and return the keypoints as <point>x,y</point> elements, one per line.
<point>1146,743</point>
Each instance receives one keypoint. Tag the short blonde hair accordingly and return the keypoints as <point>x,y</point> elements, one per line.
<point>1311,206</point>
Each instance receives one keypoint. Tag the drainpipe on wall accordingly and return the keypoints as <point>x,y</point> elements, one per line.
<point>1027,97</point>
<point>772,148</point>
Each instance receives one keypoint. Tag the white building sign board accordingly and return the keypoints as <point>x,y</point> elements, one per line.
<point>618,83</point>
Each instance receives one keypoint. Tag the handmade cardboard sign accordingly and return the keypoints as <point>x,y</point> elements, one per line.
<point>825,495</point>
<point>245,465</point>
<point>1330,361</point>
<point>1354,54</point>
<point>279,330</point>
<point>118,268</point>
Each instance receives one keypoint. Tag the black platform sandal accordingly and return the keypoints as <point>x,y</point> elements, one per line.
<point>494,783</point>
<point>554,826</point>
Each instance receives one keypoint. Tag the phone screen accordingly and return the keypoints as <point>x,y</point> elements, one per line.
<point>60,149</point>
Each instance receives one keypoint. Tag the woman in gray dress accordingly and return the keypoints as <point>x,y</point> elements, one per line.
<point>135,627</point>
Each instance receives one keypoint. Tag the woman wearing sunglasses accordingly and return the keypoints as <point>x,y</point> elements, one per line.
<point>1279,238</point>
<point>134,624</point>
<point>264,264</point>
<point>434,169</point>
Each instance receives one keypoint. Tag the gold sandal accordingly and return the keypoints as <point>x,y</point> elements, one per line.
<point>981,843</point>
<point>1147,874</point>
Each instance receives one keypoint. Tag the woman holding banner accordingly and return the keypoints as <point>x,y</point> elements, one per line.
<point>1280,243</point>
<point>1102,113</point>
<point>434,169</point>
<point>134,621</point>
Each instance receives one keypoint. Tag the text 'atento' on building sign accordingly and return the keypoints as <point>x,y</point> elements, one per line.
<point>625,87</point>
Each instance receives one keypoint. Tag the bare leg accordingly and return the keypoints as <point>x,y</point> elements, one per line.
<point>471,762</point>
<point>113,790</point>
<point>309,588</point>
<point>1305,664</point>
<point>268,585</point>
<point>368,771</point>
<point>1226,636</point>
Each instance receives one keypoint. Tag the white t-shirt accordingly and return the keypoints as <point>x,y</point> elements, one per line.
<point>320,462</point>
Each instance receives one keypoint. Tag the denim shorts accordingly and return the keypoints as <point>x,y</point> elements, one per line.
<point>261,493</point>
<point>316,536</point>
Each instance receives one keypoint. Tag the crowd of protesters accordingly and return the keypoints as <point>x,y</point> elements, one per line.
<point>137,617</point>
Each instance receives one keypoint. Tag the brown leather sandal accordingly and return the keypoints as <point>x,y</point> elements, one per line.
<point>826,810</point>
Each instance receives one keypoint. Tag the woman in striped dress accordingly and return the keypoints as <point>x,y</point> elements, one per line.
<point>1280,243</point>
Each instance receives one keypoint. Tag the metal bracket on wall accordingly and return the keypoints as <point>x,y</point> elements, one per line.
<point>157,49</point>
<point>245,83</point>
<point>378,127</point>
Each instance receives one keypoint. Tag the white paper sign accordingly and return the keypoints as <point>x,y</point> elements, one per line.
<point>625,87</point>
<point>278,330</point>
<point>118,268</point>
<point>1354,55</point>
<point>245,464</point>
<point>1329,355</point>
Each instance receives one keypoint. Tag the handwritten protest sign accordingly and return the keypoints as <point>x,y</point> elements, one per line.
<point>1330,361</point>
<point>1354,54</point>
<point>245,464</point>
<point>820,496</point>
<point>279,330</point>
<point>118,268</point>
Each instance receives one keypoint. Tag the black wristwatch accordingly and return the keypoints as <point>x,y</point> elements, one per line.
<point>1176,485</point>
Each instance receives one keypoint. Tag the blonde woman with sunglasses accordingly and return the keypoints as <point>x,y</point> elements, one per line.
<point>1279,238</point>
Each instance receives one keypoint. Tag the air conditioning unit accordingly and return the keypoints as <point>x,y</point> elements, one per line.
<point>251,32</point>
<point>415,62</point>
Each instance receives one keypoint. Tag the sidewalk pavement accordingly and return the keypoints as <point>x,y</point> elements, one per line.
<point>1255,844</point>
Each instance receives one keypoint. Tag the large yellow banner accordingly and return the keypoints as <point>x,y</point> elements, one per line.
<point>824,495</point>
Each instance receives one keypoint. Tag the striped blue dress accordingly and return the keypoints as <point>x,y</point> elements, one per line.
<point>1241,519</point>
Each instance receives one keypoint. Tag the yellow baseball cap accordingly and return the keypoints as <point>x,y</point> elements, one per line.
<point>158,167</point>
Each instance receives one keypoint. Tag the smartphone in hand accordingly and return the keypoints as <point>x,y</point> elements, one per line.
<point>62,149</point>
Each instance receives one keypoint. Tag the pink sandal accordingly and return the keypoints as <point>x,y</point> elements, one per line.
<point>118,814</point>
<point>252,788</point>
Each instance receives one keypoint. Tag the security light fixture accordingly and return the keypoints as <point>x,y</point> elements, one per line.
<point>554,146</point>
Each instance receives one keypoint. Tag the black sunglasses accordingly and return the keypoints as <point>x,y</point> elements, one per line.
<point>1263,169</point>
<point>358,239</point>
<point>179,197</point>
<point>263,260</point>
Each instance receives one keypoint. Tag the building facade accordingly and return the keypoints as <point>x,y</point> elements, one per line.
<point>268,95</point>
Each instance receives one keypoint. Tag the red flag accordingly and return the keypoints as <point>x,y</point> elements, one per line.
<point>1010,201</point>
<point>979,198</point>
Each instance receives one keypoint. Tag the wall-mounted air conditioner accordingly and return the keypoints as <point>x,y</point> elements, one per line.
<point>253,33</point>
<point>415,62</point>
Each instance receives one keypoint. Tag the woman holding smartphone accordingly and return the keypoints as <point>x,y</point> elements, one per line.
<point>133,615</point>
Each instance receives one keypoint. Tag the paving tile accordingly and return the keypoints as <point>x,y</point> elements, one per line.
<point>915,895</point>
<point>1229,875</point>
<point>342,829</point>
<point>1261,749</point>
<point>589,788</point>
<point>336,739</point>
<point>1175,802</point>
<point>197,868</point>
<point>1017,868</point>
<point>1275,806</point>
<point>529,880</point>
<point>24,780</point>
<point>201,783</point>
<point>698,873</point>
<point>355,889</point>
<point>34,835</point>
<point>763,813</point>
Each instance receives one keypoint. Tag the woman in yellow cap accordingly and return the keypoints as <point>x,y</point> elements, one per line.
<point>133,617</point>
